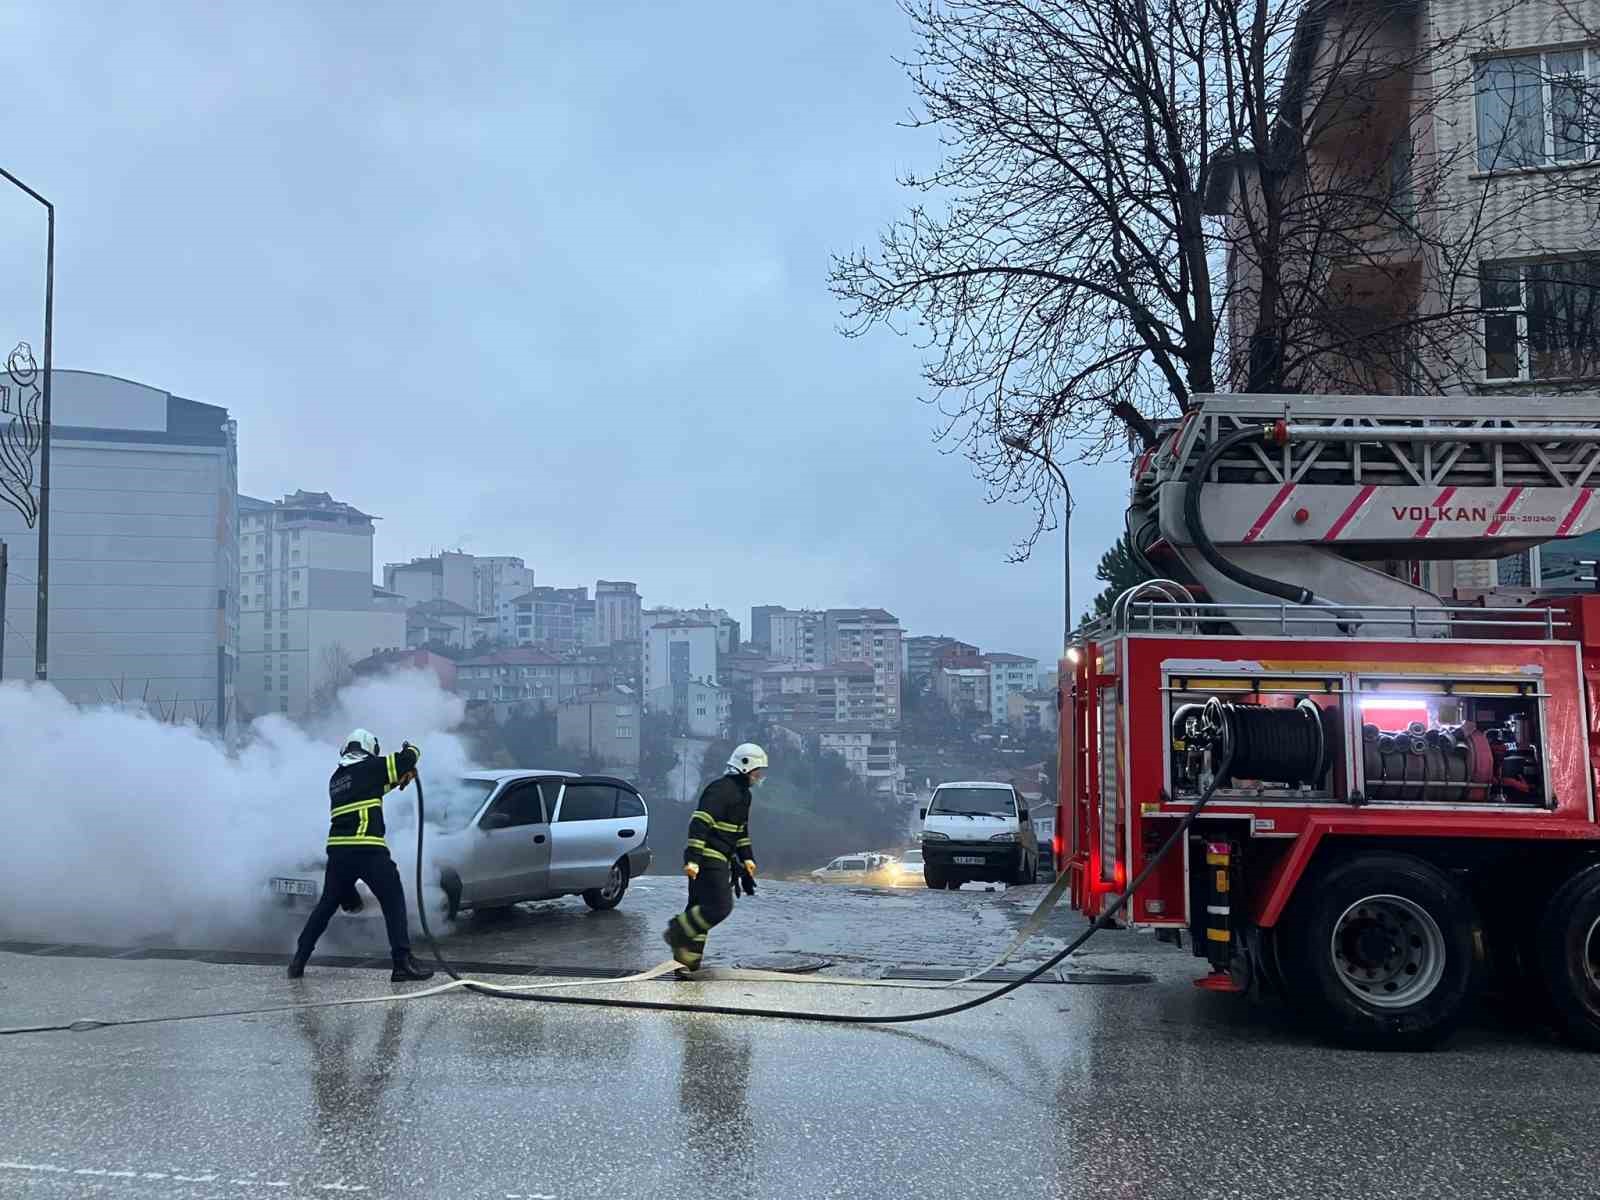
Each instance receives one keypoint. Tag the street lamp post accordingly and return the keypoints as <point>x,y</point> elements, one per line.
<point>41,641</point>
<point>1023,447</point>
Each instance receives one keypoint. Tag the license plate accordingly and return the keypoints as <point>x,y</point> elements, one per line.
<point>294,887</point>
<point>968,860</point>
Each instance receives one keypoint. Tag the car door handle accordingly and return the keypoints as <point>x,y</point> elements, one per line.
<point>625,833</point>
<point>538,839</point>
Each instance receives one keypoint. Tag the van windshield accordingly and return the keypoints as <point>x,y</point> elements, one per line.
<point>973,802</point>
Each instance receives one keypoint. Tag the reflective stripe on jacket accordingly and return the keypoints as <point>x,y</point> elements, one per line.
<point>355,798</point>
<point>719,830</point>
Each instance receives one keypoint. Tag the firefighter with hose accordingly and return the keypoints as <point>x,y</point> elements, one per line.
<point>718,857</point>
<point>357,850</point>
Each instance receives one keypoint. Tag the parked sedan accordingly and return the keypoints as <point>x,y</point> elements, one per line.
<point>508,836</point>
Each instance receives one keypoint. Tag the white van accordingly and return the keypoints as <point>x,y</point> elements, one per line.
<point>977,832</point>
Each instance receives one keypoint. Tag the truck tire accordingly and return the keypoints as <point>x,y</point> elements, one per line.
<point>932,878</point>
<point>1381,952</point>
<point>1567,948</point>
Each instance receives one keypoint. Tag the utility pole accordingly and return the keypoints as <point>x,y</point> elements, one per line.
<point>4,566</point>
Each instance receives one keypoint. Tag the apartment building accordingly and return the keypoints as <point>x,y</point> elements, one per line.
<point>1009,675</point>
<point>677,653</point>
<point>1452,150</point>
<point>806,697</point>
<point>871,753</point>
<point>601,727</point>
<point>868,635</point>
<point>964,689</point>
<point>921,656</point>
<point>527,676</point>
<point>616,612</point>
<point>309,609</point>
<point>795,637</point>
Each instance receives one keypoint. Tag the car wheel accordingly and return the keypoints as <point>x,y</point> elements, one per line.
<point>1567,951</point>
<point>609,894</point>
<point>1381,951</point>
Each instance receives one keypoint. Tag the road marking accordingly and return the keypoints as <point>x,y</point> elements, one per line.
<point>177,1177</point>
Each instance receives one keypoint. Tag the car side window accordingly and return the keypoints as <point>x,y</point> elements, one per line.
<point>588,802</point>
<point>520,802</point>
<point>629,805</point>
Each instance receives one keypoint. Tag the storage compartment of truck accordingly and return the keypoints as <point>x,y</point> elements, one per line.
<point>1452,742</point>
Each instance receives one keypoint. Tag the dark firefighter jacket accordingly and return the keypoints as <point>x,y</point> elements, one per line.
<point>355,797</point>
<point>719,830</point>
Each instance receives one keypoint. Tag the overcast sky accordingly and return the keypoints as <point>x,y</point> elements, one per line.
<point>548,280</point>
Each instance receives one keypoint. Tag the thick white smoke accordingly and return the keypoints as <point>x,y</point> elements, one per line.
<point>118,828</point>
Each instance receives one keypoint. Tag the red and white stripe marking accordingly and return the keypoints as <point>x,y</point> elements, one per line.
<point>1350,513</point>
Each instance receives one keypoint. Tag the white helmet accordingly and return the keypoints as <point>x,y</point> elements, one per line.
<point>748,757</point>
<point>366,742</point>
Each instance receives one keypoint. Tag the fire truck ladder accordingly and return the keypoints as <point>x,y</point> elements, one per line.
<point>1267,500</point>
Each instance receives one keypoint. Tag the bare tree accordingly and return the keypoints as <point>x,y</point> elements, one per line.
<point>336,669</point>
<point>1141,201</point>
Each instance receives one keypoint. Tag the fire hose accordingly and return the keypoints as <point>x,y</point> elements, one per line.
<point>541,992</point>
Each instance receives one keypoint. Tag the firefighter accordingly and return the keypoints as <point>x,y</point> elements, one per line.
<point>718,856</point>
<point>356,850</point>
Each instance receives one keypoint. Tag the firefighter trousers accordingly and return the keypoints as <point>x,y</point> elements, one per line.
<point>374,868</point>
<point>710,903</point>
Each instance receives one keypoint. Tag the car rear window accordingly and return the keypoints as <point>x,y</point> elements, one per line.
<point>629,805</point>
<point>588,802</point>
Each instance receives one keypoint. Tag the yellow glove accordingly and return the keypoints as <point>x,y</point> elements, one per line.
<point>750,866</point>
<point>692,870</point>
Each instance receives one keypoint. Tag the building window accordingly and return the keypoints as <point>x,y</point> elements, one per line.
<point>1542,320</point>
<point>283,683</point>
<point>283,641</point>
<point>1538,109</point>
<point>283,704</point>
<point>294,597</point>
<point>294,576</point>
<point>624,731</point>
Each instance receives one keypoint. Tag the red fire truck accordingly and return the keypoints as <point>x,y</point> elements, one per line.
<point>1370,795</point>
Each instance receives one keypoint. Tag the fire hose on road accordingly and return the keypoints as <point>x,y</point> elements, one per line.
<point>547,993</point>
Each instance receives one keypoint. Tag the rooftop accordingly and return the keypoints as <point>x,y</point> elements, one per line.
<point>862,614</point>
<point>1009,658</point>
<point>443,608</point>
<point>519,656</point>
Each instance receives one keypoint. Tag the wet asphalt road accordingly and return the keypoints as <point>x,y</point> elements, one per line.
<point>1143,1090</point>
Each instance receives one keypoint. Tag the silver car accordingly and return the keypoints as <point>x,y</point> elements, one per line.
<point>500,837</point>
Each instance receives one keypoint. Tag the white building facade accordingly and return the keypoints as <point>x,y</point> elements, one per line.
<point>677,653</point>
<point>308,607</point>
<point>1009,675</point>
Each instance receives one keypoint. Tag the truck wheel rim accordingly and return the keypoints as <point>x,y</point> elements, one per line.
<point>1591,956</point>
<point>613,884</point>
<point>1388,951</point>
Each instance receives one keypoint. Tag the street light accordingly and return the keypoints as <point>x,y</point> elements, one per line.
<point>41,640</point>
<point>1022,446</point>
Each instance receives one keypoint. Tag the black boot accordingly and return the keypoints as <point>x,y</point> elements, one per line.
<point>297,965</point>
<point>407,968</point>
